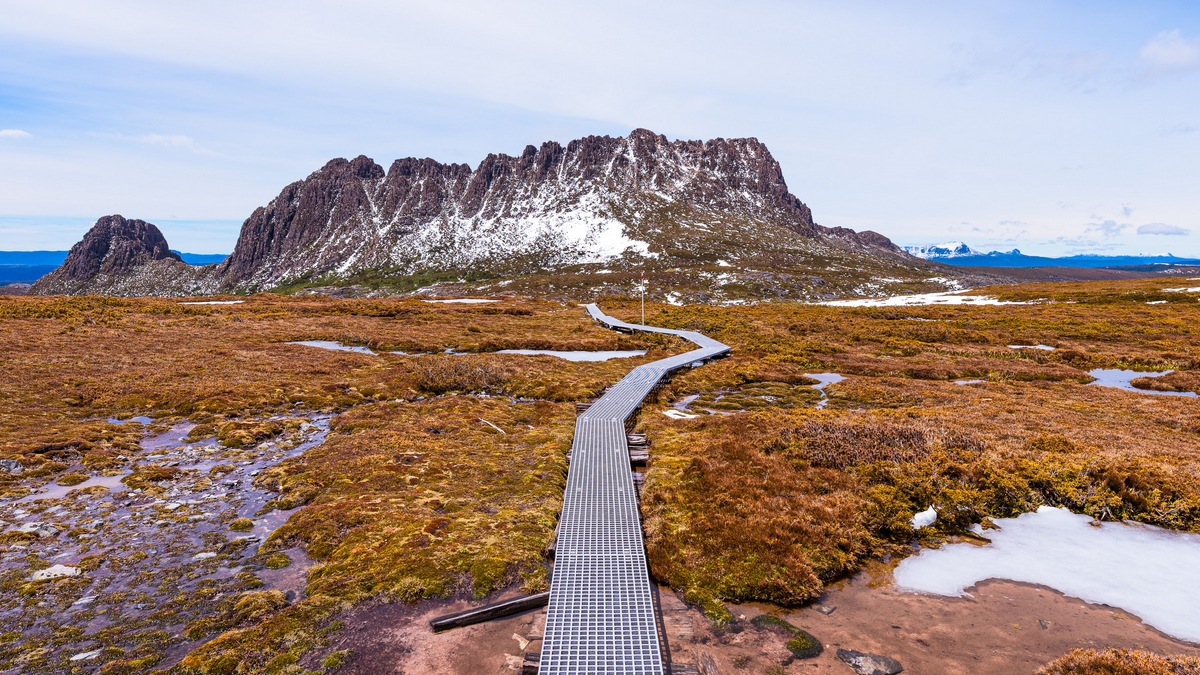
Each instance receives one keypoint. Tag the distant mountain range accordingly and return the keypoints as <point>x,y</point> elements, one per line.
<point>26,267</point>
<point>960,255</point>
<point>706,221</point>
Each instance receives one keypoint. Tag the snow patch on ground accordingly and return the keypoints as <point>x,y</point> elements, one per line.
<point>463,301</point>
<point>215,302</point>
<point>1144,570</point>
<point>948,298</point>
<point>1045,348</point>
<point>952,284</point>
<point>924,518</point>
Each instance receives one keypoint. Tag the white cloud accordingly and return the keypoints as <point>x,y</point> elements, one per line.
<point>14,133</point>
<point>1108,228</point>
<point>1161,228</point>
<point>174,141</point>
<point>164,140</point>
<point>1170,53</point>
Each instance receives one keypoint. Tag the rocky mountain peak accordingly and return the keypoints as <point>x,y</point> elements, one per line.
<point>113,247</point>
<point>617,203</point>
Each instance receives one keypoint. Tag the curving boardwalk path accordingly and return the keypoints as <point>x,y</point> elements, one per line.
<point>601,613</point>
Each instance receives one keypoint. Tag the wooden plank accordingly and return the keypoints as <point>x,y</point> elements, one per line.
<point>489,612</point>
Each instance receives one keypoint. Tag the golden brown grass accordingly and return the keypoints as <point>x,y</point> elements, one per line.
<point>772,503</point>
<point>71,362</point>
<point>413,496</point>
<point>408,501</point>
<point>1120,662</point>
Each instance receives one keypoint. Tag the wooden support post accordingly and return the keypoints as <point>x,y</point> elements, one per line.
<point>489,612</point>
<point>639,455</point>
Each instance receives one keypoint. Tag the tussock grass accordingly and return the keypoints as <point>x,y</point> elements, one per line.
<point>409,501</point>
<point>412,497</point>
<point>1120,662</point>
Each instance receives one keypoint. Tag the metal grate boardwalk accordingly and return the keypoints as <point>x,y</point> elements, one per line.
<point>601,613</point>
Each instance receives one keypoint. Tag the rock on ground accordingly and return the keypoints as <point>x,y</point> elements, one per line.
<point>870,664</point>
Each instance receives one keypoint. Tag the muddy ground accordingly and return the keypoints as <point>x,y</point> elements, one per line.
<point>138,565</point>
<point>1006,627</point>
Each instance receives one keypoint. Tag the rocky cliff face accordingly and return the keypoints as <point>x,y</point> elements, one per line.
<point>596,199</point>
<point>115,254</point>
<point>639,201</point>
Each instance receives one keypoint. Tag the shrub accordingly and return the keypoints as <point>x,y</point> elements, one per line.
<point>442,374</point>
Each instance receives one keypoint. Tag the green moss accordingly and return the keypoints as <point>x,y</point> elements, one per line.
<point>279,663</point>
<point>200,431</point>
<point>802,645</point>
<point>278,561</point>
<point>243,434</point>
<point>335,659</point>
<point>241,525</point>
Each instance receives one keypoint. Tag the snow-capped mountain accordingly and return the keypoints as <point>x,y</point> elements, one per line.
<point>950,249</point>
<point>616,203</point>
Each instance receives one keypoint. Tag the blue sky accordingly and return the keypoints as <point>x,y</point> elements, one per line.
<point>1053,127</point>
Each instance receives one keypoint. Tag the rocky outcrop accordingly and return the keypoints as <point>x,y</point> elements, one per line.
<point>595,199</point>
<point>117,256</point>
<point>598,199</point>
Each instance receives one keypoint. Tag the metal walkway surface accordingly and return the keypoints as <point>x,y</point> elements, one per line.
<point>601,613</point>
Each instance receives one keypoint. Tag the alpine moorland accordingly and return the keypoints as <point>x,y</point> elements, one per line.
<point>206,496</point>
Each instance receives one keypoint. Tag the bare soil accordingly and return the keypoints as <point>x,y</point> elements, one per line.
<point>1005,627</point>
<point>395,639</point>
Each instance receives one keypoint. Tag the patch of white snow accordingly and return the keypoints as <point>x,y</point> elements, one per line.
<point>1144,570</point>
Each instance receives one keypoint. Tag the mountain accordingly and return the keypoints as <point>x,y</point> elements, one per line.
<point>26,267</point>
<point>574,219</point>
<point>951,249</point>
<point>959,254</point>
<point>118,257</point>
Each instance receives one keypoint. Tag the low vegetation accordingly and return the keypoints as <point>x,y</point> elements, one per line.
<point>1120,662</point>
<point>442,474</point>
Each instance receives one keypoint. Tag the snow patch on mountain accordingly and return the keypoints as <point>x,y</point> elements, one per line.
<point>950,249</point>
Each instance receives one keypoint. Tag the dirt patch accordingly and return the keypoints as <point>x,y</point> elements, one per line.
<point>395,639</point>
<point>1006,627</point>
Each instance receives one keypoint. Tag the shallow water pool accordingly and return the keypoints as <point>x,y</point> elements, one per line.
<point>1147,571</point>
<point>576,356</point>
<point>824,380</point>
<point>336,346</point>
<point>1120,380</point>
